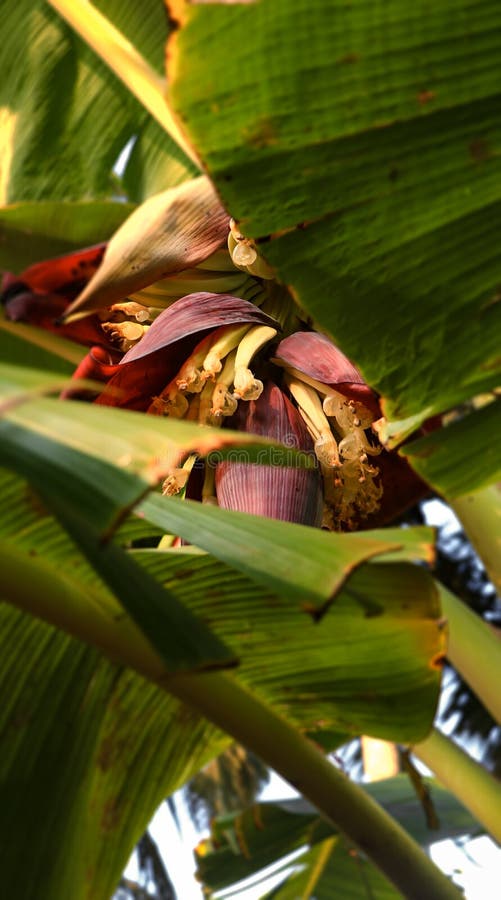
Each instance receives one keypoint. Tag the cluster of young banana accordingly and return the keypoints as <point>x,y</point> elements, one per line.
<point>338,428</point>
<point>217,274</point>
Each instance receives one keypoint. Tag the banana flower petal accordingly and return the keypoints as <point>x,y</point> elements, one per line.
<point>278,492</point>
<point>192,315</point>
<point>317,357</point>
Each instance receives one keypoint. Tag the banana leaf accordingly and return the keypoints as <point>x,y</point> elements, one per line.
<point>357,145</point>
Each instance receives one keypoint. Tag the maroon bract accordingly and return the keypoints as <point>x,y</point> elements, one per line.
<point>194,315</point>
<point>276,491</point>
<point>316,356</point>
<point>99,364</point>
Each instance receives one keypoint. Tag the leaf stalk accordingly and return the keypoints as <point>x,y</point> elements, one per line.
<point>473,785</point>
<point>474,649</point>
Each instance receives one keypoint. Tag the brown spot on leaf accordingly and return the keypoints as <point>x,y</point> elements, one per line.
<point>492,301</point>
<point>35,502</point>
<point>479,150</point>
<point>492,365</point>
<point>424,97</point>
<point>348,59</point>
<point>256,816</point>
<point>109,751</point>
<point>181,574</point>
<point>110,818</point>
<point>261,134</point>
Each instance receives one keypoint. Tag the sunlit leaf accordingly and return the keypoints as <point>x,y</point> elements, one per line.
<point>359,145</point>
<point>78,444</point>
<point>33,347</point>
<point>88,750</point>
<point>67,117</point>
<point>319,673</point>
<point>244,542</point>
<point>304,681</point>
<point>30,232</point>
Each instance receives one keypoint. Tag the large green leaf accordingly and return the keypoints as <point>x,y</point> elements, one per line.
<point>88,750</point>
<point>73,468</point>
<point>244,542</point>
<point>29,346</point>
<point>95,774</point>
<point>362,139</point>
<point>322,650</point>
<point>385,621</point>
<point>242,845</point>
<point>319,676</point>
<point>66,116</point>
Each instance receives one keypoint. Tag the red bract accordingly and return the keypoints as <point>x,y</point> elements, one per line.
<point>315,355</point>
<point>287,493</point>
<point>42,293</point>
<point>45,310</point>
<point>65,275</point>
<point>99,364</point>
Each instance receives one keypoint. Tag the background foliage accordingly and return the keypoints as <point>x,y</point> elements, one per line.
<point>359,146</point>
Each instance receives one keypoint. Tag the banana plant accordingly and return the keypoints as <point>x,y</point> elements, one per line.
<point>230,362</point>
